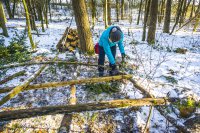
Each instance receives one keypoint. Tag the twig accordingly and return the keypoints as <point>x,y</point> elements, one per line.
<point>148,119</point>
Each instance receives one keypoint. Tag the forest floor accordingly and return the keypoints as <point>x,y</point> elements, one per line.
<point>160,70</point>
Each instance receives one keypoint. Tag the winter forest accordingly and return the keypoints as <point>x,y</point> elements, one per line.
<point>99,66</point>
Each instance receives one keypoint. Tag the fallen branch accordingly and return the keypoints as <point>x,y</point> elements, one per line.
<point>46,62</point>
<point>71,82</point>
<point>12,77</point>
<point>167,117</point>
<point>20,88</point>
<point>51,110</point>
<point>188,22</point>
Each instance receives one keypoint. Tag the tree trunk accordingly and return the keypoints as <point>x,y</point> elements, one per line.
<point>197,13</point>
<point>7,3</point>
<point>33,46</point>
<point>166,27</point>
<point>83,26</point>
<point>13,11</point>
<point>67,109</point>
<point>122,9</point>
<point>109,11</point>
<point>117,10</point>
<point>49,4</point>
<point>31,16</point>
<point>182,13</point>
<point>93,10</point>
<point>180,4</point>
<point>148,2</point>
<point>138,19</point>
<point>105,9</point>
<point>153,22</point>
<point>192,10</point>
<point>2,20</point>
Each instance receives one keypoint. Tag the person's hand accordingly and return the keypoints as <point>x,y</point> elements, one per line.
<point>123,63</point>
<point>123,57</point>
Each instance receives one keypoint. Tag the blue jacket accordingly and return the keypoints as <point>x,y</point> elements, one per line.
<point>106,44</point>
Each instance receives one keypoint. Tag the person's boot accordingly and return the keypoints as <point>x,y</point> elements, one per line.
<point>101,71</point>
<point>113,70</point>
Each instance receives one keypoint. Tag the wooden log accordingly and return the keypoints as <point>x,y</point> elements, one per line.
<point>12,77</point>
<point>71,82</point>
<point>51,110</point>
<point>47,62</point>
<point>180,127</point>
<point>22,87</point>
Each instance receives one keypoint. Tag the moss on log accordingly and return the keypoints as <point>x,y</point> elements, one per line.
<point>71,82</point>
<point>46,62</point>
<point>51,110</point>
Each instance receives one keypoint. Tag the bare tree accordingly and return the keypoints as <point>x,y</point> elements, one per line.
<point>148,2</point>
<point>33,46</point>
<point>153,22</point>
<point>180,4</point>
<point>138,19</point>
<point>3,20</point>
<point>167,16</point>
<point>117,10</point>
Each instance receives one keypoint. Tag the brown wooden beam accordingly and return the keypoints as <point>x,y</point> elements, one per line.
<point>51,110</point>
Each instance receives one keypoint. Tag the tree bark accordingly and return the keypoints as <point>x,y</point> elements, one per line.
<point>93,10</point>
<point>51,110</point>
<point>83,26</point>
<point>2,20</point>
<point>105,8</point>
<point>7,3</point>
<point>117,10</point>
<point>122,9</point>
<point>138,19</point>
<point>33,46</point>
<point>153,22</point>
<point>109,11</point>
<point>166,27</point>
<point>148,2</point>
<point>13,11</point>
<point>182,13</point>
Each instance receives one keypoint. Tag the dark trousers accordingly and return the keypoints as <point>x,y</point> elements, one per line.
<point>101,59</point>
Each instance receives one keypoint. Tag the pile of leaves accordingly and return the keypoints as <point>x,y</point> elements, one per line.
<point>16,51</point>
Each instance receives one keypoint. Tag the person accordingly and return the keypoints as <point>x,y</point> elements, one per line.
<point>107,46</point>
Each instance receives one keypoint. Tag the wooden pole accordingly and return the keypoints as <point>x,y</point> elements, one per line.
<point>12,77</point>
<point>51,110</point>
<point>71,82</point>
<point>46,62</point>
<point>181,128</point>
<point>22,87</point>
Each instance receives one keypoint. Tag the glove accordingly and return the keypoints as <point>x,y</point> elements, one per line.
<point>123,63</point>
<point>123,57</point>
<point>113,70</point>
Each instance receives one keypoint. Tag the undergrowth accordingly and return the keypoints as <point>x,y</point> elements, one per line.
<point>17,51</point>
<point>98,88</point>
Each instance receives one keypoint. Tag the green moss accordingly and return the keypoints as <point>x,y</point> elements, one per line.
<point>99,88</point>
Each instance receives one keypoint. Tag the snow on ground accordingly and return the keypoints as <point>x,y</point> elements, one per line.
<point>155,64</point>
